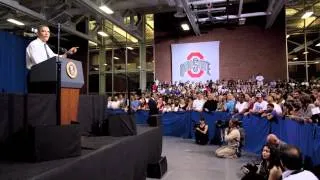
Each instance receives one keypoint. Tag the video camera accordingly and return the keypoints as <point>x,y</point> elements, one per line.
<point>225,124</point>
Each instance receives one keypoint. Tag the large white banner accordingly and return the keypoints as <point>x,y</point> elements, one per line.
<point>195,61</point>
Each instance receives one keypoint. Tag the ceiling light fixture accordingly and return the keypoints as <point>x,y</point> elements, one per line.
<point>116,58</point>
<point>185,27</point>
<point>288,36</point>
<point>130,48</point>
<point>306,52</point>
<point>295,58</point>
<point>318,44</point>
<point>106,9</point>
<point>307,15</point>
<point>93,43</point>
<point>16,22</point>
<point>103,34</point>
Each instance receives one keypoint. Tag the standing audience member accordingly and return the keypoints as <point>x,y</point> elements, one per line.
<point>198,103</point>
<point>210,105</point>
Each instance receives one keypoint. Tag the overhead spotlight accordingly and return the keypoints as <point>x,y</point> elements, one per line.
<point>288,36</point>
<point>34,30</point>
<point>103,34</point>
<point>130,48</point>
<point>105,64</point>
<point>306,52</point>
<point>116,58</point>
<point>185,27</point>
<point>318,44</point>
<point>16,22</point>
<point>106,9</point>
<point>307,14</point>
<point>295,58</point>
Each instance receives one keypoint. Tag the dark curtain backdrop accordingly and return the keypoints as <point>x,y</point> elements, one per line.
<point>12,63</point>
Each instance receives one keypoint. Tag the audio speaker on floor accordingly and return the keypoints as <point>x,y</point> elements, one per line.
<point>43,143</point>
<point>158,169</point>
<point>154,120</point>
<point>121,125</point>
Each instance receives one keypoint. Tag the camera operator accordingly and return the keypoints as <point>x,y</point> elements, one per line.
<point>291,166</point>
<point>232,138</point>
<point>201,133</point>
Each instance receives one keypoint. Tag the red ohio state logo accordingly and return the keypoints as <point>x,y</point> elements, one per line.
<point>195,66</point>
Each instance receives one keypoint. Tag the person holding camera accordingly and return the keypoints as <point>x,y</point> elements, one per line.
<point>201,133</point>
<point>291,166</point>
<point>232,138</point>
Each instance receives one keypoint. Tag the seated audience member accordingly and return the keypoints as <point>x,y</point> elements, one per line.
<point>232,138</point>
<point>210,105</point>
<point>201,133</point>
<point>275,141</point>
<point>269,158</point>
<point>292,166</point>
<point>270,113</point>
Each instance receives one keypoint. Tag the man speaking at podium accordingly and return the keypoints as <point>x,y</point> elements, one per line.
<point>38,50</point>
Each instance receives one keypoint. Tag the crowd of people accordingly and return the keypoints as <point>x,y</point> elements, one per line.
<point>299,101</point>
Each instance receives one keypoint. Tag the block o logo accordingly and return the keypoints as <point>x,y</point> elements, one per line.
<point>195,66</point>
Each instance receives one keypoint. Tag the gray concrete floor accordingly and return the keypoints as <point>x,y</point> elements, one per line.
<point>189,161</point>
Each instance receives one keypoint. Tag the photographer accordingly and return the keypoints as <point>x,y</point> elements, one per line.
<point>232,138</point>
<point>201,133</point>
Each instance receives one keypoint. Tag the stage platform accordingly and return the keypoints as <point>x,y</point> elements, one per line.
<point>103,157</point>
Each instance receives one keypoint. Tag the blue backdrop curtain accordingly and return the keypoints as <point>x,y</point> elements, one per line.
<point>12,63</point>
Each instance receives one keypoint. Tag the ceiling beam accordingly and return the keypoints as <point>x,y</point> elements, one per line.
<point>16,6</point>
<point>301,46</point>
<point>191,17</point>
<point>240,8</point>
<point>95,9</point>
<point>275,12</point>
<point>246,15</point>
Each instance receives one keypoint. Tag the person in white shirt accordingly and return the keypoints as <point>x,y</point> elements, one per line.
<point>38,50</point>
<point>260,105</point>
<point>292,162</point>
<point>259,80</point>
<point>198,103</point>
<point>277,107</point>
<point>241,106</point>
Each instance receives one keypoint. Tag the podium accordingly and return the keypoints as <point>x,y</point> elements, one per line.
<point>44,79</point>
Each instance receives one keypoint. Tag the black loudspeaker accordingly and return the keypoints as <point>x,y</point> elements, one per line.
<point>154,120</point>
<point>158,169</point>
<point>43,143</point>
<point>121,125</point>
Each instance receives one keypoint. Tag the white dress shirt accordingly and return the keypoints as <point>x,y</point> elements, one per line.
<point>36,53</point>
<point>307,175</point>
<point>198,104</point>
<point>241,106</point>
